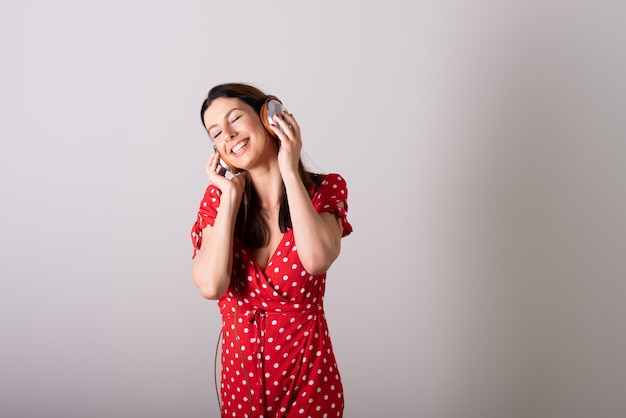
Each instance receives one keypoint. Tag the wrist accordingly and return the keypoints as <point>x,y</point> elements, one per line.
<point>291,177</point>
<point>230,196</point>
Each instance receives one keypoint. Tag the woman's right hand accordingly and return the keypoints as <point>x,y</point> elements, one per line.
<point>231,187</point>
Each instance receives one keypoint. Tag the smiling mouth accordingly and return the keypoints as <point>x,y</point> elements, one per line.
<point>237,148</point>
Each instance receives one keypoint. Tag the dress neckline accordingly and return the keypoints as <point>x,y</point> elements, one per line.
<point>273,254</point>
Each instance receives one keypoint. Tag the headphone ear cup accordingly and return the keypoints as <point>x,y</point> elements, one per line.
<point>231,167</point>
<point>225,164</point>
<point>268,110</point>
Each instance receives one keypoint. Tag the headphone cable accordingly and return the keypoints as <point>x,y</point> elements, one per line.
<point>219,337</point>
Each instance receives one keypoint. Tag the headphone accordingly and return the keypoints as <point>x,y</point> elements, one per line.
<point>272,106</point>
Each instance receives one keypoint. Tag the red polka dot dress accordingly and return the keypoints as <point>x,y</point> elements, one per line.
<point>277,357</point>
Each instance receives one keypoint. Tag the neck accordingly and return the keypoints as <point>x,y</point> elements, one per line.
<point>268,185</point>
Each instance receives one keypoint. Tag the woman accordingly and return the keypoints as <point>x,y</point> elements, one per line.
<point>264,239</point>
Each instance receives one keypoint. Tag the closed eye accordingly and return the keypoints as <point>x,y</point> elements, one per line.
<point>233,120</point>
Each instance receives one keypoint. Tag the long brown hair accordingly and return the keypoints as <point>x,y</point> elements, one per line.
<point>251,226</point>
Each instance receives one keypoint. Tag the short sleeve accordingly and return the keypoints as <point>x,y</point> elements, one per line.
<point>332,196</point>
<point>206,216</point>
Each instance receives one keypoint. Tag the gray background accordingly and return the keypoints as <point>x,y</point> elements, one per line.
<point>483,145</point>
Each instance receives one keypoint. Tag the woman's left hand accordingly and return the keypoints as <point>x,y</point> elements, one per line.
<point>290,142</point>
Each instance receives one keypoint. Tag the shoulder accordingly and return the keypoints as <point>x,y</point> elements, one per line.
<point>206,215</point>
<point>211,196</point>
<point>333,183</point>
<point>329,187</point>
<point>333,179</point>
<point>209,205</point>
<point>331,196</point>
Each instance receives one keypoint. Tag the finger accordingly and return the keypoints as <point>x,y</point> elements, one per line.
<point>282,127</point>
<point>213,167</point>
<point>211,162</point>
<point>291,121</point>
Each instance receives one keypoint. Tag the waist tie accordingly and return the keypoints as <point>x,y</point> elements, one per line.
<point>257,317</point>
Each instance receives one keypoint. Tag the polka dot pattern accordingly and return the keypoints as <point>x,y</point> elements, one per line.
<point>277,356</point>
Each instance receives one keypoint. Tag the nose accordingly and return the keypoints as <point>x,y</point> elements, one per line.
<point>228,133</point>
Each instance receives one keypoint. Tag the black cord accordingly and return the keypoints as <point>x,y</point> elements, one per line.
<point>217,391</point>
<point>219,338</point>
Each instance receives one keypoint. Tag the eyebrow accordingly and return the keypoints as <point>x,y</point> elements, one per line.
<point>225,117</point>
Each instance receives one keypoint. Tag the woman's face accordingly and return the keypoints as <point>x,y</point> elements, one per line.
<point>237,131</point>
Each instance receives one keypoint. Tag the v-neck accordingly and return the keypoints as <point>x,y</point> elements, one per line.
<point>273,254</point>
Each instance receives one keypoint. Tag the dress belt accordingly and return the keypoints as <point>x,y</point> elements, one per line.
<point>257,317</point>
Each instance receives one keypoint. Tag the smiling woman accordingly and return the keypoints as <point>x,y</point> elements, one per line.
<point>263,241</point>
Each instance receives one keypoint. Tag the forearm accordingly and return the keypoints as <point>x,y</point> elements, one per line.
<point>212,266</point>
<point>318,236</point>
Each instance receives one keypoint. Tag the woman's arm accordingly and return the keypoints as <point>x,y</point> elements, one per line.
<point>212,266</point>
<point>318,235</point>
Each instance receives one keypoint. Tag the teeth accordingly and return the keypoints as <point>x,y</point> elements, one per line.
<point>238,147</point>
